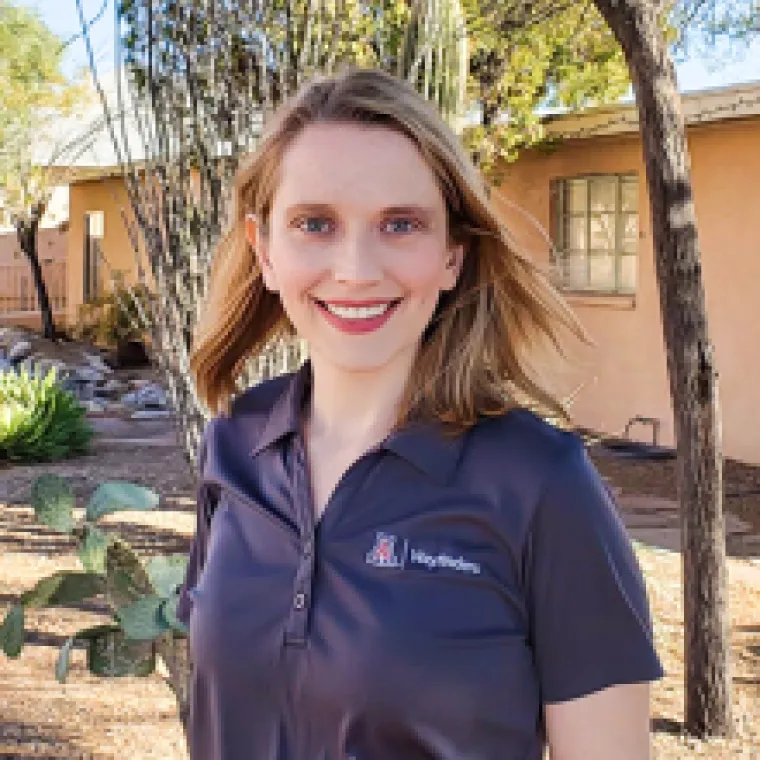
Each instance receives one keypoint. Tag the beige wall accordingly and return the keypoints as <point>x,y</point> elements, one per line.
<point>625,374</point>
<point>17,284</point>
<point>109,196</point>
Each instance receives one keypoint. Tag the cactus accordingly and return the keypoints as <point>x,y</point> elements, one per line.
<point>142,597</point>
<point>39,420</point>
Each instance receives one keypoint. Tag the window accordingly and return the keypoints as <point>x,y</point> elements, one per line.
<point>596,224</point>
<point>93,251</point>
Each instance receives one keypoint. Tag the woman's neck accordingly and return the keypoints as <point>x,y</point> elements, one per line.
<point>354,407</point>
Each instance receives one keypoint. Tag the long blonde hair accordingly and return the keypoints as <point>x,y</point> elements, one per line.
<point>483,351</point>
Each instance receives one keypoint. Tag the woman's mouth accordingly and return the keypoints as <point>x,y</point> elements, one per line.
<point>359,316</point>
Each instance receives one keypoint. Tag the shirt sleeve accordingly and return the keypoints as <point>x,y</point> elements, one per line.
<point>590,619</point>
<point>204,508</point>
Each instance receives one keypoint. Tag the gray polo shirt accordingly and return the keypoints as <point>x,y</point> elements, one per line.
<point>451,587</point>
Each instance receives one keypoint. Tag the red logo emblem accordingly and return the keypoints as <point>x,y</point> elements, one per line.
<point>383,553</point>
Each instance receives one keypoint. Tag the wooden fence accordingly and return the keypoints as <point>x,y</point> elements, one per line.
<point>18,296</point>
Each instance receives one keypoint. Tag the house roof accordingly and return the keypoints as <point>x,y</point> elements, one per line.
<point>699,107</point>
<point>91,153</point>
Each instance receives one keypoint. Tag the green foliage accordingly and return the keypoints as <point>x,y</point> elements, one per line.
<point>142,620</point>
<point>53,502</point>
<point>35,94</point>
<point>12,631</point>
<point>110,654</point>
<point>142,597</point>
<point>92,550</point>
<point>120,315</point>
<point>569,60</point>
<point>63,588</point>
<point>118,496</point>
<point>166,573</point>
<point>39,420</point>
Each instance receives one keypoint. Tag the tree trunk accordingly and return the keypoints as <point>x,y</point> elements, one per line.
<point>691,367</point>
<point>26,231</point>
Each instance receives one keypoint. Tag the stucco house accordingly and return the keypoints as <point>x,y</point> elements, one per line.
<point>589,193</point>
<point>580,206</point>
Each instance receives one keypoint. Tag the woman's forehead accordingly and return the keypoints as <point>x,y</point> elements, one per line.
<point>338,164</point>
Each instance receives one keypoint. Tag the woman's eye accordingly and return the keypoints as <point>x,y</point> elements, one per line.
<point>313,224</point>
<point>402,225</point>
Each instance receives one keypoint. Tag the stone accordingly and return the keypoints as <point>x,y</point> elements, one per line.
<point>19,351</point>
<point>149,396</point>
<point>94,405</point>
<point>97,363</point>
<point>89,375</point>
<point>150,414</point>
<point>111,389</point>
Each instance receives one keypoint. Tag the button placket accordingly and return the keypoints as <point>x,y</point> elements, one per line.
<point>299,613</point>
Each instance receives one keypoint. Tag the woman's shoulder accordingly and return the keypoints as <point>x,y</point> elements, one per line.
<point>525,437</point>
<point>520,451</point>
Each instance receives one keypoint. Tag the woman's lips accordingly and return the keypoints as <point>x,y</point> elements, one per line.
<point>357,325</point>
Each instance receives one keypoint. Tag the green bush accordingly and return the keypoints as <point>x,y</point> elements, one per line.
<point>39,420</point>
<point>142,597</point>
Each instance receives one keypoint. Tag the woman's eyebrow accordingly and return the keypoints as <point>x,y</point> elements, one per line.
<point>412,209</point>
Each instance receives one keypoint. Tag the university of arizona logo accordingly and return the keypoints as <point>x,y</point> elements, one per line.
<point>388,551</point>
<point>383,553</point>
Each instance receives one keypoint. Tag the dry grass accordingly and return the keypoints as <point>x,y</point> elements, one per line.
<point>663,573</point>
<point>136,719</point>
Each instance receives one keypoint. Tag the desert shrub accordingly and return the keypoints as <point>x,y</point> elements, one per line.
<point>39,420</point>
<point>115,317</point>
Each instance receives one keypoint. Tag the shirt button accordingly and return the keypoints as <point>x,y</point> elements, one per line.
<point>300,601</point>
<point>308,547</point>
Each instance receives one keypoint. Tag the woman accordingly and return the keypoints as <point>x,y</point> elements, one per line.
<point>394,557</point>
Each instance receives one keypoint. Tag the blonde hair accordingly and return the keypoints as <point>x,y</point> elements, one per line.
<point>482,352</point>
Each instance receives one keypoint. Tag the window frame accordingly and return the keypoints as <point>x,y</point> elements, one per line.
<point>559,192</point>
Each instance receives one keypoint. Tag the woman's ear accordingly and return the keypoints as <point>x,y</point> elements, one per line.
<point>258,241</point>
<point>454,260</point>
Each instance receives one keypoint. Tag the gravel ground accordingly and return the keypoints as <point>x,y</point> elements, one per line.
<point>136,719</point>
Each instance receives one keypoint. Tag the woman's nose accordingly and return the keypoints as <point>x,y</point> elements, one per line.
<point>355,260</point>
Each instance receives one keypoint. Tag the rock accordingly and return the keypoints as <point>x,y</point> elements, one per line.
<point>19,351</point>
<point>112,389</point>
<point>150,414</point>
<point>94,405</point>
<point>5,365</point>
<point>89,375</point>
<point>149,396</point>
<point>97,363</point>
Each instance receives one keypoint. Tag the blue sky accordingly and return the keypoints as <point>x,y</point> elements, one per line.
<point>62,17</point>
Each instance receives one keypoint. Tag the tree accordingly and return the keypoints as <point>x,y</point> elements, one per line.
<point>34,93</point>
<point>571,60</point>
<point>690,360</point>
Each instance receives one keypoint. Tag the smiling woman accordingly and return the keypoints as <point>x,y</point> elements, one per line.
<point>395,556</point>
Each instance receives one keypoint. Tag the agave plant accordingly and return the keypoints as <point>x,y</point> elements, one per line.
<point>39,420</point>
<point>142,597</point>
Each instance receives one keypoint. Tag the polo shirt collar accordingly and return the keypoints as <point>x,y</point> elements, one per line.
<point>423,444</point>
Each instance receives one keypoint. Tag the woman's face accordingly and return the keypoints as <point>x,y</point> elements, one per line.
<point>357,244</point>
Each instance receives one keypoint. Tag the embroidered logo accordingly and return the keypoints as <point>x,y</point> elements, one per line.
<point>386,553</point>
<point>383,553</point>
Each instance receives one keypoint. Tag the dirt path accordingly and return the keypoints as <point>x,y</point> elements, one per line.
<point>136,719</point>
